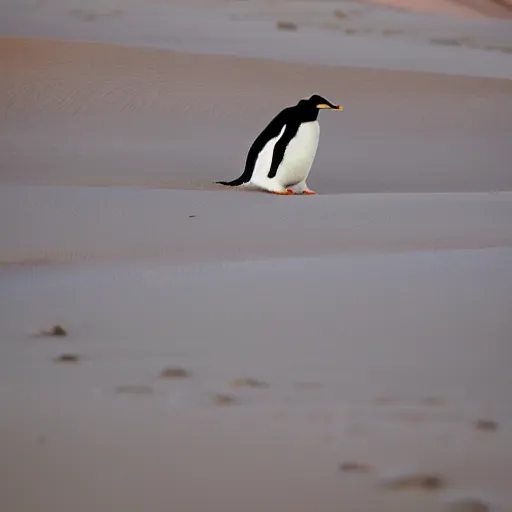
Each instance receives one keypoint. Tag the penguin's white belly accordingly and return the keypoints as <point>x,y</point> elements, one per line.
<point>299,155</point>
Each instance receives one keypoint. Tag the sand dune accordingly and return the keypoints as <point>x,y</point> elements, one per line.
<point>97,114</point>
<point>331,33</point>
<point>73,225</point>
<point>470,9</point>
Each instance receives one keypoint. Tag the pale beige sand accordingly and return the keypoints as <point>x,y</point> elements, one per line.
<point>445,7</point>
<point>95,114</point>
<point>381,321</point>
<point>466,9</point>
<point>402,353</point>
<point>72,225</point>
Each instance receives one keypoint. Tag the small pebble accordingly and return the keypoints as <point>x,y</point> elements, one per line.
<point>355,467</point>
<point>175,373</point>
<point>250,383</point>
<point>425,482</point>
<point>485,425</point>
<point>223,399</point>
<point>286,25</point>
<point>56,330</point>
<point>67,358</point>
<point>340,14</point>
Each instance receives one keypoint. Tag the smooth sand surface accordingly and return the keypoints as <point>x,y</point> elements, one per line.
<point>74,224</point>
<point>331,33</point>
<point>96,114</point>
<point>346,351</point>
<point>393,360</point>
<point>467,9</point>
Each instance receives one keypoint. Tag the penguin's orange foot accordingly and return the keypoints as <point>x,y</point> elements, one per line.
<point>287,192</point>
<point>309,193</point>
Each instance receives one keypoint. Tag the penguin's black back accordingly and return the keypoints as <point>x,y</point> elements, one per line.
<point>291,118</point>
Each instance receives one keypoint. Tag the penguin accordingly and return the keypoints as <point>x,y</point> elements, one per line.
<point>280,159</point>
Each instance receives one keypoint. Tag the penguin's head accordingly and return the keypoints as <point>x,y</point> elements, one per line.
<point>319,102</point>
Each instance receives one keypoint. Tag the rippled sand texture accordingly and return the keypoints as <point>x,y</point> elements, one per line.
<point>95,114</point>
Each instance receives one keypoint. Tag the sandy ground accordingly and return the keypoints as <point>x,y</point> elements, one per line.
<point>229,350</point>
<point>468,9</point>
<point>137,115</point>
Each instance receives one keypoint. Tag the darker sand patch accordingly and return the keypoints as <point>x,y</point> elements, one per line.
<point>67,358</point>
<point>355,467</point>
<point>414,482</point>
<point>434,401</point>
<point>388,32</point>
<point>503,49</point>
<point>486,425</point>
<point>249,383</point>
<point>287,25</point>
<point>134,389</point>
<point>341,15</point>
<point>223,399</point>
<point>57,331</point>
<point>446,42</point>
<point>175,373</point>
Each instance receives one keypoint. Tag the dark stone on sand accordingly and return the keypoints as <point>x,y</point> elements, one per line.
<point>485,424</point>
<point>67,358</point>
<point>414,481</point>
<point>286,25</point>
<point>355,467</point>
<point>224,399</point>
<point>175,373</point>
<point>56,330</point>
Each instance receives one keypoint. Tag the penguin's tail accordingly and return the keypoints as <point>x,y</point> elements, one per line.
<point>233,183</point>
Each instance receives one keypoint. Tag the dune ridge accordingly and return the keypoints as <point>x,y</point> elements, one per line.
<point>77,225</point>
<point>152,118</point>
<point>466,9</point>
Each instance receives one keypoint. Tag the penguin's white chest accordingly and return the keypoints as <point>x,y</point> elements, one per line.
<point>299,155</point>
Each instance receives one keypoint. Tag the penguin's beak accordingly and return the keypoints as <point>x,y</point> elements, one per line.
<point>331,107</point>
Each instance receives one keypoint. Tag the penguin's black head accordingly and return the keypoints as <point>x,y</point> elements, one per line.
<point>318,102</point>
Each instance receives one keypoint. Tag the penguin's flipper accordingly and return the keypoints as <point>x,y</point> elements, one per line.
<point>280,147</point>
